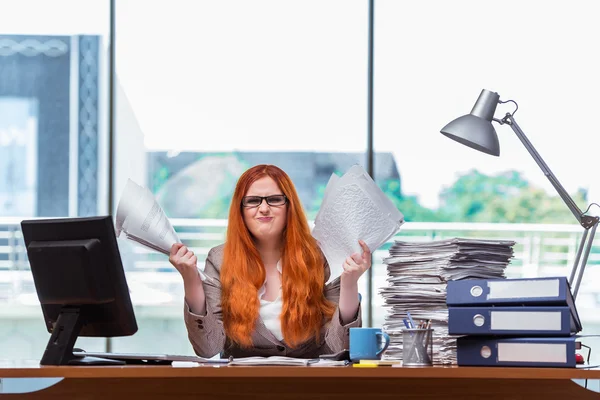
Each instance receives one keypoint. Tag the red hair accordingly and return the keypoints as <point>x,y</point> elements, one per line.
<point>243,272</point>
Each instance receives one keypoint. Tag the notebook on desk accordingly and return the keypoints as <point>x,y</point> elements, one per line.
<point>156,359</point>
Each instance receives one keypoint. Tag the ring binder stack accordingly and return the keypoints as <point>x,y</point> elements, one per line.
<point>513,322</point>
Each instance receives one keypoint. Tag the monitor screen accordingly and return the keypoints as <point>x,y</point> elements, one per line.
<point>80,282</point>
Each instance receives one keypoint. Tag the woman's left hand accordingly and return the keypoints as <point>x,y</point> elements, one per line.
<point>356,265</point>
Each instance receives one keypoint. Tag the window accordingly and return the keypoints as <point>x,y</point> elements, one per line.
<point>433,59</point>
<point>52,140</point>
<point>214,89</point>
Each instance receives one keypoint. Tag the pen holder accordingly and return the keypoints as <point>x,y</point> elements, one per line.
<point>417,347</point>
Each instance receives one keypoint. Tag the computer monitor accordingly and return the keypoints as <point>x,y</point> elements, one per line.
<point>80,283</point>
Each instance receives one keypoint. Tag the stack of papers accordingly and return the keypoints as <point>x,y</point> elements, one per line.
<point>417,277</point>
<point>353,209</point>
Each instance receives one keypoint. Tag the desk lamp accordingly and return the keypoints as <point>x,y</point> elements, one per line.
<point>476,131</point>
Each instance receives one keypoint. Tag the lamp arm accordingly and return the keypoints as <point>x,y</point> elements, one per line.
<point>585,222</point>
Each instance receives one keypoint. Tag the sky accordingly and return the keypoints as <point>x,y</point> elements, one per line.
<point>292,75</point>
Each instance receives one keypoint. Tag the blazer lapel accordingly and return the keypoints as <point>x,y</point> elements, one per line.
<point>261,330</point>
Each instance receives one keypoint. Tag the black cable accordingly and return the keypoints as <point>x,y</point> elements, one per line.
<point>589,352</point>
<point>592,204</point>
<point>511,101</point>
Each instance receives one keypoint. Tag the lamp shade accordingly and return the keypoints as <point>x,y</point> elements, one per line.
<point>475,129</point>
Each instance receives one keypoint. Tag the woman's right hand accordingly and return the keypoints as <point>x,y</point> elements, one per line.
<point>184,260</point>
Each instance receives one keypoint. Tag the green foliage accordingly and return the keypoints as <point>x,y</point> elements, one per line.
<point>312,209</point>
<point>408,205</point>
<point>159,179</point>
<point>413,211</point>
<point>476,197</point>
<point>505,197</point>
<point>217,209</point>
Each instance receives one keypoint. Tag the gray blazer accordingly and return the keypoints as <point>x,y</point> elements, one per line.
<point>207,335</point>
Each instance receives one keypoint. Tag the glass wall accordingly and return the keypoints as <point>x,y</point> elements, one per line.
<point>53,155</point>
<point>205,90</point>
<point>432,60</point>
<point>208,89</point>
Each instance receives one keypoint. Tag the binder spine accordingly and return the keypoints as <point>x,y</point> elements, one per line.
<point>537,291</point>
<point>516,352</point>
<point>510,321</point>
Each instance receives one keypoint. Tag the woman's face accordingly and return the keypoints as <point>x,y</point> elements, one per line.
<point>265,222</point>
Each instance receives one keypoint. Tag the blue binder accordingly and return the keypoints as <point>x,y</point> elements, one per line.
<point>552,291</point>
<point>516,352</point>
<point>511,321</point>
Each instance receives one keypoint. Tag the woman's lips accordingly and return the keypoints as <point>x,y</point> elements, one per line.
<point>265,219</point>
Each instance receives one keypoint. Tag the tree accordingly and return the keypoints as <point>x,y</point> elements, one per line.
<point>408,205</point>
<point>505,197</point>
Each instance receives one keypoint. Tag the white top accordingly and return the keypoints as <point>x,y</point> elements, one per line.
<point>271,310</point>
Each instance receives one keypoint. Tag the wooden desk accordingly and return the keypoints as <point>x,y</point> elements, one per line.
<point>301,383</point>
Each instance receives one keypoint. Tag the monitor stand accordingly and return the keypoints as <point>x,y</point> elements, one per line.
<point>59,350</point>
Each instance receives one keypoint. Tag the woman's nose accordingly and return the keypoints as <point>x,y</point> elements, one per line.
<point>263,207</point>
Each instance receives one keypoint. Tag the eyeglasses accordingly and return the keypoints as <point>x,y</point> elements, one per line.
<point>275,200</point>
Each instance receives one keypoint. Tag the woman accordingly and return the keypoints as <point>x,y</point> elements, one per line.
<point>264,293</point>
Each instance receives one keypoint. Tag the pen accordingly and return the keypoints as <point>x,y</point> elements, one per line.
<point>428,339</point>
<point>412,323</point>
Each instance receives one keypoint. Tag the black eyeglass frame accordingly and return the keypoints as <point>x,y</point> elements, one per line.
<point>265,198</point>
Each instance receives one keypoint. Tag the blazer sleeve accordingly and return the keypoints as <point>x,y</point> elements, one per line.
<point>337,336</point>
<point>206,332</point>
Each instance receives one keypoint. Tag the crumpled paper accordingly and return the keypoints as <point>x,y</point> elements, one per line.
<point>354,208</point>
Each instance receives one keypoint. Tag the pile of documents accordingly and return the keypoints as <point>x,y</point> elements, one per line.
<point>354,208</point>
<point>418,273</point>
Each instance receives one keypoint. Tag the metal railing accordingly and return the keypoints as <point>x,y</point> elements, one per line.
<point>540,250</point>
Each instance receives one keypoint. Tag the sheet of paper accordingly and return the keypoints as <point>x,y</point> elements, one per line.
<point>142,220</point>
<point>354,208</point>
<point>272,360</point>
<point>128,203</point>
<point>281,360</point>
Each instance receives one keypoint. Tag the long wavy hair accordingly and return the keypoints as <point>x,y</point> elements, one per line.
<point>243,273</point>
